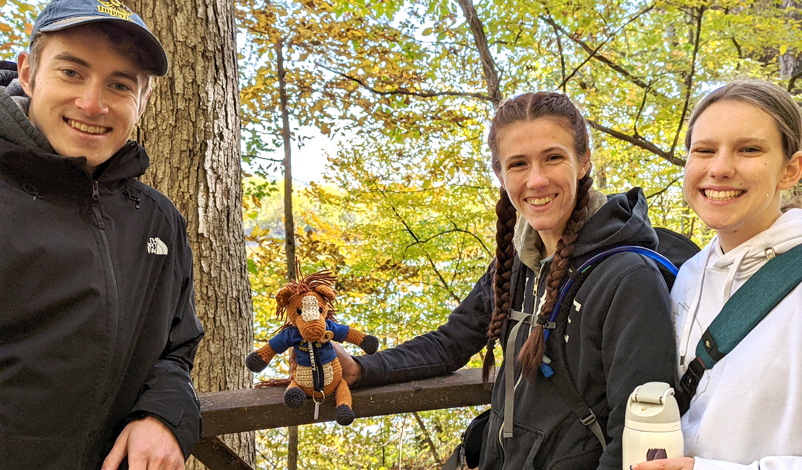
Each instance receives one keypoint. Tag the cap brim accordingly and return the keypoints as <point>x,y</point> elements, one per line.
<point>159,65</point>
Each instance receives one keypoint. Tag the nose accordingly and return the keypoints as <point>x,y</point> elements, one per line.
<point>722,164</point>
<point>536,179</point>
<point>92,101</point>
<point>309,308</point>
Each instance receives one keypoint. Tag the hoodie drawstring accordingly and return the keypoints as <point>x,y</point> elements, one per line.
<point>131,197</point>
<point>694,307</point>
<point>31,189</point>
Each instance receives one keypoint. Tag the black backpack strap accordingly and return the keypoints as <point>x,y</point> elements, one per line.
<point>562,381</point>
<point>742,312</point>
<point>558,369</point>
<point>561,378</point>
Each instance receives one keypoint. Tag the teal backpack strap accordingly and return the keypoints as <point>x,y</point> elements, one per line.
<point>742,312</point>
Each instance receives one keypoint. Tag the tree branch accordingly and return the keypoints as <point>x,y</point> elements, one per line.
<point>428,438</point>
<point>488,64</point>
<point>792,81</point>
<point>663,190</point>
<point>257,157</point>
<point>689,80</point>
<point>417,240</point>
<point>455,230</point>
<point>563,79</point>
<point>405,91</point>
<point>593,53</point>
<point>640,111</point>
<point>638,142</point>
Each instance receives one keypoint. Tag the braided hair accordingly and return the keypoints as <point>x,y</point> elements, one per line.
<point>524,108</point>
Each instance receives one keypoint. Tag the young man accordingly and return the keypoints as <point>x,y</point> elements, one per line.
<point>98,330</point>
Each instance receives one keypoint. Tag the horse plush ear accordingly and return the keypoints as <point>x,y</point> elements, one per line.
<point>283,296</point>
<point>326,292</point>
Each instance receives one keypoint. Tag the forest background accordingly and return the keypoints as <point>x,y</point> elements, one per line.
<point>403,212</point>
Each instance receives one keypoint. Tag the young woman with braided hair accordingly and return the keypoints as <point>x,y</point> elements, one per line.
<point>616,334</point>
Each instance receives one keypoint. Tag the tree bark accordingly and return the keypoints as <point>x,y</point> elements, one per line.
<point>192,132</point>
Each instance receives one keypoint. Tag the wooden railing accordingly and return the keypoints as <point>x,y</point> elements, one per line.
<point>263,408</point>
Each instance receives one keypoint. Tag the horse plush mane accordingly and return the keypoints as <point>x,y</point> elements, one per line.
<point>307,284</point>
<point>307,308</point>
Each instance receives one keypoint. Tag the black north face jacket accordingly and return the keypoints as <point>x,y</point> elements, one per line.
<point>97,317</point>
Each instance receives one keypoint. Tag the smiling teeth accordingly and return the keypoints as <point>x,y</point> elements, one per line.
<point>539,201</point>
<point>721,195</point>
<point>87,129</point>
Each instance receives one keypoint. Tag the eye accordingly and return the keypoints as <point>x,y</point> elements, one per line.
<point>70,73</point>
<point>555,157</point>
<point>121,87</point>
<point>320,309</point>
<point>750,150</point>
<point>298,310</point>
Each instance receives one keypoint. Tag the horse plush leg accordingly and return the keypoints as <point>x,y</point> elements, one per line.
<point>343,413</point>
<point>258,360</point>
<point>294,397</point>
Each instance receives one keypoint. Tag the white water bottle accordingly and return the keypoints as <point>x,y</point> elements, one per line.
<point>652,425</point>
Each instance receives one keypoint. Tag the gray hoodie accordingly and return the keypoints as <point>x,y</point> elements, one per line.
<point>15,126</point>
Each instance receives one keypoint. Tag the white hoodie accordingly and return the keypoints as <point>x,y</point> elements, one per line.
<point>747,411</point>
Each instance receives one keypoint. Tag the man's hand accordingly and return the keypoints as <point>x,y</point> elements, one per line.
<point>679,463</point>
<point>149,444</point>
<point>352,371</point>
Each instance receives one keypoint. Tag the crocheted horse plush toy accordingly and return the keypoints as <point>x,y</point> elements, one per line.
<point>309,327</point>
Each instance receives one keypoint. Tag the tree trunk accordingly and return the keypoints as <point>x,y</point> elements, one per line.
<point>192,132</point>
<point>289,222</point>
<point>791,61</point>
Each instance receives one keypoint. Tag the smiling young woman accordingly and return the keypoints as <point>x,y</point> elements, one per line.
<point>745,147</point>
<point>616,334</point>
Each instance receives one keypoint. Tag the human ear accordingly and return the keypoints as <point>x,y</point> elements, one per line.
<point>792,172</point>
<point>143,103</point>
<point>24,69</point>
<point>585,165</point>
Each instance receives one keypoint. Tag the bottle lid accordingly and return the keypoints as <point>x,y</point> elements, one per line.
<point>652,407</point>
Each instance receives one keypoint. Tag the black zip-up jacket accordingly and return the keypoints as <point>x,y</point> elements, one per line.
<point>619,336</point>
<point>97,316</point>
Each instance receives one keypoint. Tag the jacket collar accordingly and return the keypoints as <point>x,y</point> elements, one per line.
<point>527,241</point>
<point>45,174</point>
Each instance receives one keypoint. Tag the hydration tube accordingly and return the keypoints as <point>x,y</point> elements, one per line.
<point>547,370</point>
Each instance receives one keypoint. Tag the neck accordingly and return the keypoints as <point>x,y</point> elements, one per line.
<point>549,244</point>
<point>729,240</point>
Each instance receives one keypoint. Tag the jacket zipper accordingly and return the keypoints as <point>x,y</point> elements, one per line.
<point>115,299</point>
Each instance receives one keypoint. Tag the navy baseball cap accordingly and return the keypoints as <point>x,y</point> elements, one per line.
<point>63,14</point>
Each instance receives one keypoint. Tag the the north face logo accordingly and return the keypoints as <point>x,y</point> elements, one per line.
<point>157,247</point>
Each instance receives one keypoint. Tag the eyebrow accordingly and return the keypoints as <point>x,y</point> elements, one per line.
<point>741,141</point>
<point>66,56</point>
